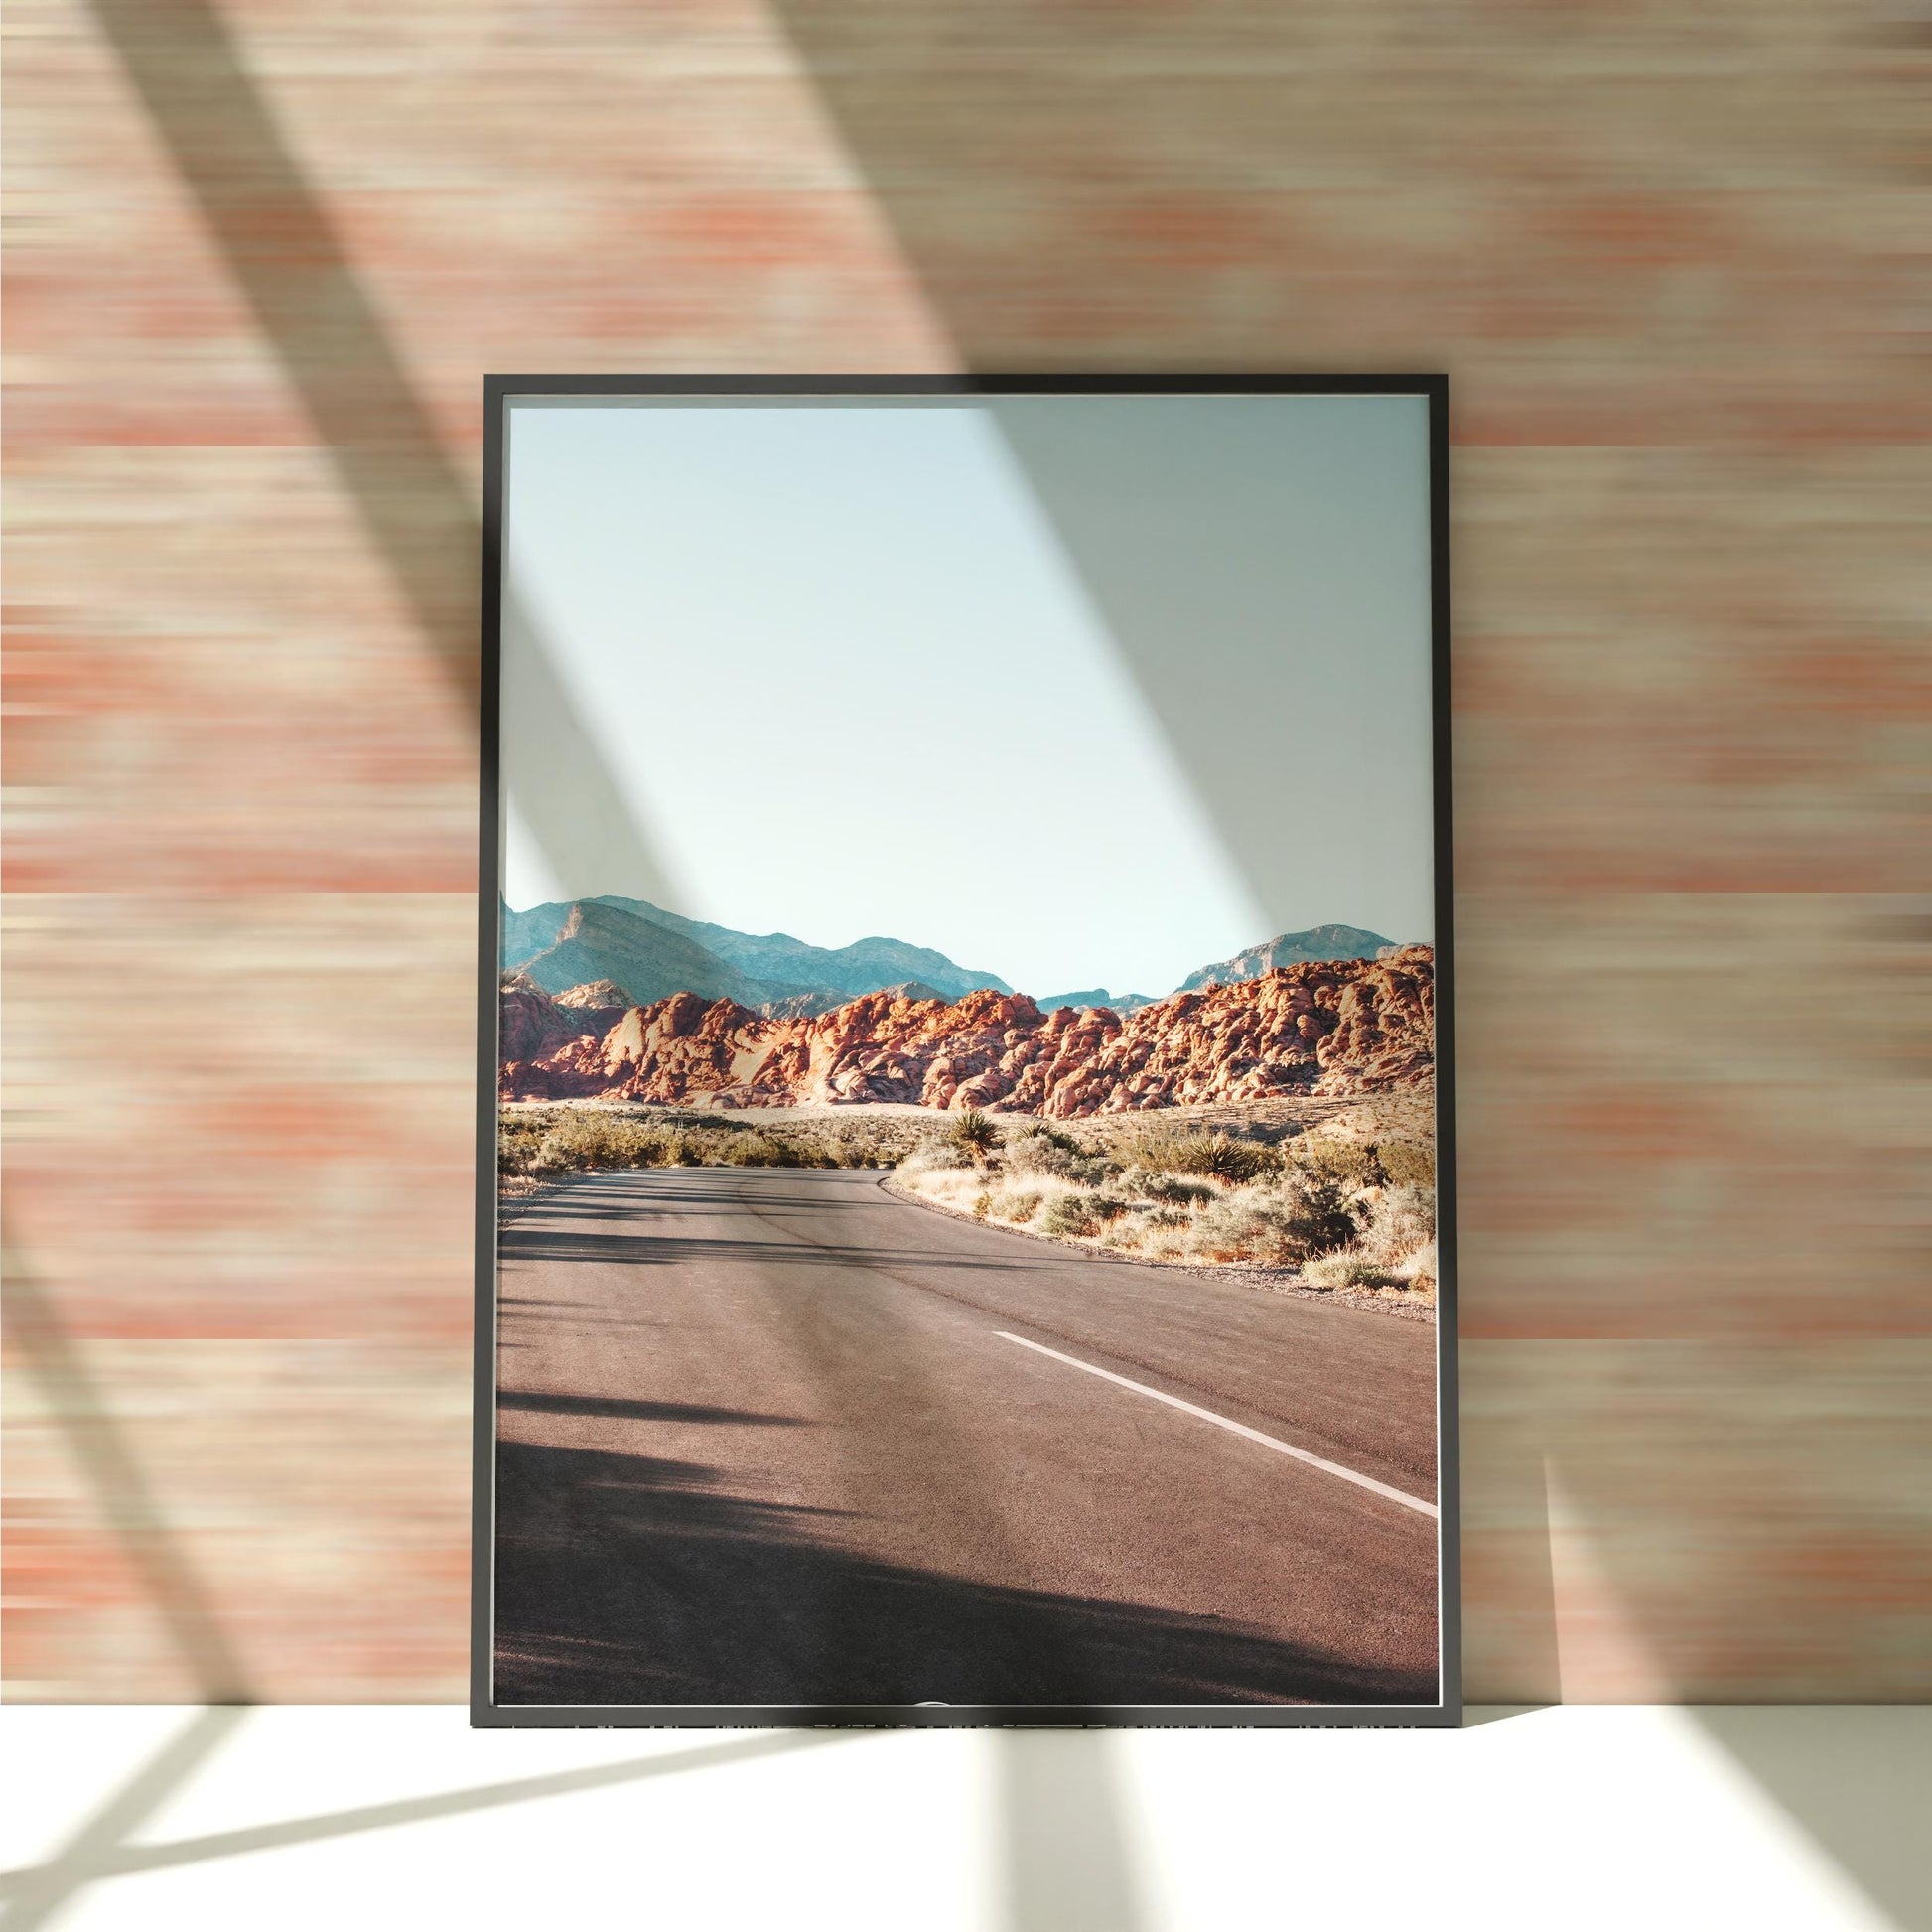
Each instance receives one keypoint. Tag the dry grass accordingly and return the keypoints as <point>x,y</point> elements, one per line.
<point>1335,1208</point>
<point>539,1144</point>
<point>1328,1208</point>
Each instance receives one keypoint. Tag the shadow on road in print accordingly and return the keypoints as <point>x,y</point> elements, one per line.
<point>624,1410</point>
<point>657,1194</point>
<point>527,1244</point>
<point>634,1580</point>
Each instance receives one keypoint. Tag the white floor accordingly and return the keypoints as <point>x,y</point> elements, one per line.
<point>1558,1820</point>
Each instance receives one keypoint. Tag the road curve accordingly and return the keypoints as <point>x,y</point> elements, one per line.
<point>764,1437</point>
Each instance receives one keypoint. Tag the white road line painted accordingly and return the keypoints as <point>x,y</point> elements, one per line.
<point>1401,1496</point>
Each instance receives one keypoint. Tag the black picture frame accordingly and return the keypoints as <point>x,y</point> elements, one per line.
<point>499,392</point>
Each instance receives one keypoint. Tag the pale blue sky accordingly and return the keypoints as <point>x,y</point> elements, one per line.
<point>849,680</point>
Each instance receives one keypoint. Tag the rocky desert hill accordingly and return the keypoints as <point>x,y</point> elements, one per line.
<point>1328,1027</point>
<point>535,1022</point>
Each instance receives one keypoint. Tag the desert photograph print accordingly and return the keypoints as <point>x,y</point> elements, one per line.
<point>965,1240</point>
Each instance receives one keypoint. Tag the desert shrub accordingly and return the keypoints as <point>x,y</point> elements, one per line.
<point>1247,1228</point>
<point>1419,1267</point>
<point>558,1153</point>
<point>975,1133</point>
<point>1016,1205</point>
<point>1071,1214</point>
<point>1314,1213</point>
<point>755,1146</point>
<point>1036,1153</point>
<point>1041,1150</point>
<point>1348,1271</point>
<point>573,1141</point>
<point>879,1143</point>
<point>1154,1149</point>
<point>1067,1214</point>
<point>981,1206</point>
<point>517,1140</point>
<point>1399,1223</point>
<point>1347,1163</point>
<point>1408,1163</point>
<point>1169,1217</point>
<point>579,1143</point>
<point>1217,1156</point>
<point>1279,1225</point>
<point>937,1154</point>
<point>1166,1188</point>
<point>1238,1161</point>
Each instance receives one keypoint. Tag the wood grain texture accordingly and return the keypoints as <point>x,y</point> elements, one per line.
<point>1675,266</point>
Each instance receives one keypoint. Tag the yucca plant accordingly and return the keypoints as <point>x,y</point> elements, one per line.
<point>975,1132</point>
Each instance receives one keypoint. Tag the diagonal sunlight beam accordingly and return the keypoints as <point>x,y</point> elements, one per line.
<point>283,251</point>
<point>54,1360</point>
<point>35,1896</point>
<point>1211,575</point>
<point>1066,1866</point>
<point>1851,1780</point>
<point>120,1861</point>
<point>279,245</point>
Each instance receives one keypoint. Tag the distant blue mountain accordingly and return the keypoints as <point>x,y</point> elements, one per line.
<point>865,966</point>
<point>1289,949</point>
<point>1095,996</point>
<point>651,953</point>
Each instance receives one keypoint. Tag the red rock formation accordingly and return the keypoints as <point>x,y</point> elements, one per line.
<point>536,1028</point>
<point>1323,1026</point>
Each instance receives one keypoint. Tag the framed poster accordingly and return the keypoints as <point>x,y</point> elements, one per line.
<point>965,1222</point>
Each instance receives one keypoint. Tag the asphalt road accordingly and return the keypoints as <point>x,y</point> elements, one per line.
<point>764,1437</point>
